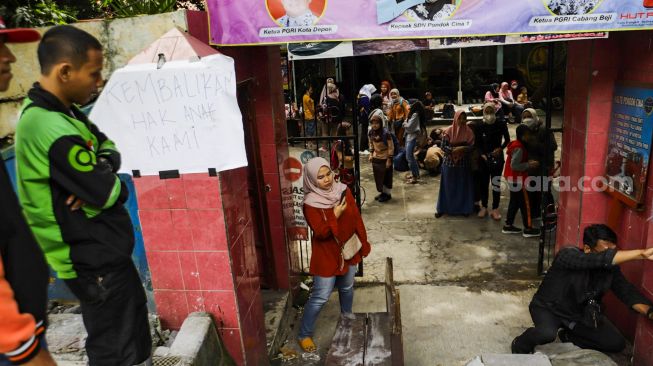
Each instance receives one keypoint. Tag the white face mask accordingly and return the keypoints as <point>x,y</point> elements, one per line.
<point>530,122</point>
<point>489,118</point>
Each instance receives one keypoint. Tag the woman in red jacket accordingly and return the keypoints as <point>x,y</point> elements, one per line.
<point>334,221</point>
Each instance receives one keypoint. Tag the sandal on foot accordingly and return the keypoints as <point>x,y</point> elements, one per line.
<point>495,215</point>
<point>307,344</point>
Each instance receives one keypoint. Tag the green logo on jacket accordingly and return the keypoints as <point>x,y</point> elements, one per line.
<point>81,159</point>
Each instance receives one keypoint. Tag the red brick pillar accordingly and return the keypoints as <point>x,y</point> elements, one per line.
<point>199,244</point>
<point>593,68</point>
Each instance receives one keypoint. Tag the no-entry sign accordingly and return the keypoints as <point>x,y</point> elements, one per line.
<point>292,169</point>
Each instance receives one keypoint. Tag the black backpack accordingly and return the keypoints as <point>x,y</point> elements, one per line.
<point>448,111</point>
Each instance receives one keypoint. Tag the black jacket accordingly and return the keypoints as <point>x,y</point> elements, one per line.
<point>576,277</point>
<point>493,136</point>
<point>537,150</point>
<point>72,156</point>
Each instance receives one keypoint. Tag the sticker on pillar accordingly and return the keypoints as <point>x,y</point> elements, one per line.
<point>293,197</point>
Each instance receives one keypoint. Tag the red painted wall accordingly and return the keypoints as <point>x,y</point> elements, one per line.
<point>593,68</point>
<point>263,65</point>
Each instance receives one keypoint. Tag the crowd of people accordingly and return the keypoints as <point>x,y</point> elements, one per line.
<point>469,155</point>
<point>567,304</point>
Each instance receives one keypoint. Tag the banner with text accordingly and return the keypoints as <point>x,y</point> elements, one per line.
<point>293,199</point>
<point>318,50</point>
<point>629,141</point>
<point>183,116</point>
<point>282,21</point>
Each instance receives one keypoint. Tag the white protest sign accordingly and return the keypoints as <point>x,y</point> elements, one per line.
<point>183,117</point>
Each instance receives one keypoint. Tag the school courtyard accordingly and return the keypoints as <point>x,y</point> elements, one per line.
<point>464,286</point>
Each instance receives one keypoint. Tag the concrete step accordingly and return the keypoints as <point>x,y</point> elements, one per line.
<point>515,360</point>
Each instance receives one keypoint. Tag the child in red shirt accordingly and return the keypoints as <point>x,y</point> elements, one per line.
<point>516,173</point>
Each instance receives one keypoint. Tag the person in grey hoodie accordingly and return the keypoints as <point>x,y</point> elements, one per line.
<point>413,127</point>
<point>544,154</point>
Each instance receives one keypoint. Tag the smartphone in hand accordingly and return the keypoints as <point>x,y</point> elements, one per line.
<point>343,196</point>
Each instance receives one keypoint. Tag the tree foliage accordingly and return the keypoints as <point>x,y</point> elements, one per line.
<point>36,13</point>
<point>39,13</point>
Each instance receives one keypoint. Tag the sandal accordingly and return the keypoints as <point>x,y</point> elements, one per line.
<point>307,344</point>
<point>412,180</point>
<point>495,215</point>
<point>408,176</point>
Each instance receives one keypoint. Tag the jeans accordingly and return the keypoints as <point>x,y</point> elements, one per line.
<point>322,288</point>
<point>517,110</point>
<point>310,128</point>
<point>412,162</point>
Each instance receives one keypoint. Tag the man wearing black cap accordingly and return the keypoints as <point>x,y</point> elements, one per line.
<point>23,272</point>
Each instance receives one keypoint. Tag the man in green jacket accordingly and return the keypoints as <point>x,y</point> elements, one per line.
<point>73,198</point>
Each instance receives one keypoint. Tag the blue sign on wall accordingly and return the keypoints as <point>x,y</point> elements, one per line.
<point>629,141</point>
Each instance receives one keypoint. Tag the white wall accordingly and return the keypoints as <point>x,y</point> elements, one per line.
<point>122,39</point>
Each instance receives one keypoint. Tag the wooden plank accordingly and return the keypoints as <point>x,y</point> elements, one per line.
<point>378,345</point>
<point>396,332</point>
<point>348,344</point>
<point>393,308</point>
<point>389,284</point>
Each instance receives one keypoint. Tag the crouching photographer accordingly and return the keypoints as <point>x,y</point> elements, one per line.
<point>568,302</point>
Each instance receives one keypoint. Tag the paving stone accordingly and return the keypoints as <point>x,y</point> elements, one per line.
<point>515,360</point>
<point>554,349</point>
<point>66,337</point>
<point>161,351</point>
<point>475,362</point>
<point>73,310</point>
<point>582,357</point>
